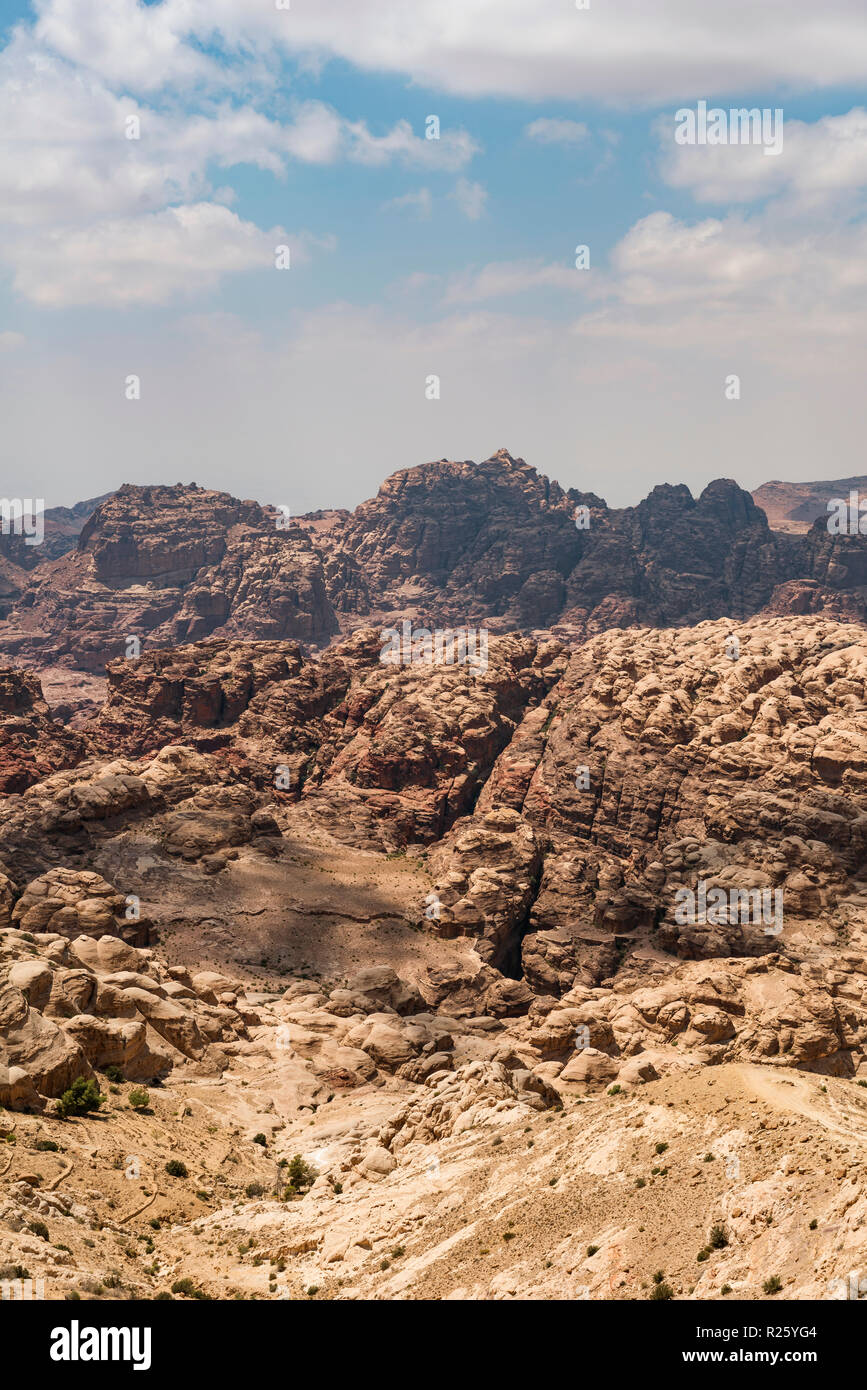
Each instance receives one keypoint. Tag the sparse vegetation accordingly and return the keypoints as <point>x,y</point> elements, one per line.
<point>661,1292</point>
<point>83,1097</point>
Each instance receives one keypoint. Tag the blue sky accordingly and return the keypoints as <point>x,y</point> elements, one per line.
<point>411,257</point>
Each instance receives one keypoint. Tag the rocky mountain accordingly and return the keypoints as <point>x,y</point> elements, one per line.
<point>169,564</point>
<point>539,975</point>
<point>793,507</point>
<point>61,527</point>
<point>398,923</point>
<point>494,544</point>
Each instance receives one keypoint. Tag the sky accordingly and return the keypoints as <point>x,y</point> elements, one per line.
<point>155,156</point>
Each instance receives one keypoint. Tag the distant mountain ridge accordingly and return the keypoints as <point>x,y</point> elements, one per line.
<point>443,544</point>
<point>793,507</point>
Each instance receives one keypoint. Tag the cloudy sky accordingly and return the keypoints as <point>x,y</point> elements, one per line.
<point>263,124</point>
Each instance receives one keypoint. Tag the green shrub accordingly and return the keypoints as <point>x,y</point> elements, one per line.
<point>139,1098</point>
<point>260,1139</point>
<point>113,1073</point>
<point>82,1097</point>
<point>187,1287</point>
<point>773,1285</point>
<point>39,1228</point>
<point>718,1238</point>
<point>661,1293</point>
<point>47,1146</point>
<point>301,1175</point>
<point>176,1169</point>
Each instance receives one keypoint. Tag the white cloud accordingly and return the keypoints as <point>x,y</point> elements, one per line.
<point>470,197</point>
<point>552,131</point>
<point>632,52</point>
<point>140,47</point>
<point>69,174</point>
<point>141,260</point>
<point>821,162</point>
<point>777,292</point>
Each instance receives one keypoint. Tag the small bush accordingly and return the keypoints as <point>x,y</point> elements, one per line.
<point>301,1175</point>
<point>661,1293</point>
<point>47,1146</point>
<point>661,1148</point>
<point>260,1139</point>
<point>139,1098</point>
<point>614,1090</point>
<point>114,1074</point>
<point>255,1189</point>
<point>813,1224</point>
<point>773,1285</point>
<point>39,1228</point>
<point>726,1288</point>
<point>591,1250</point>
<point>82,1097</point>
<point>187,1287</point>
<point>718,1238</point>
<point>176,1169</point>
